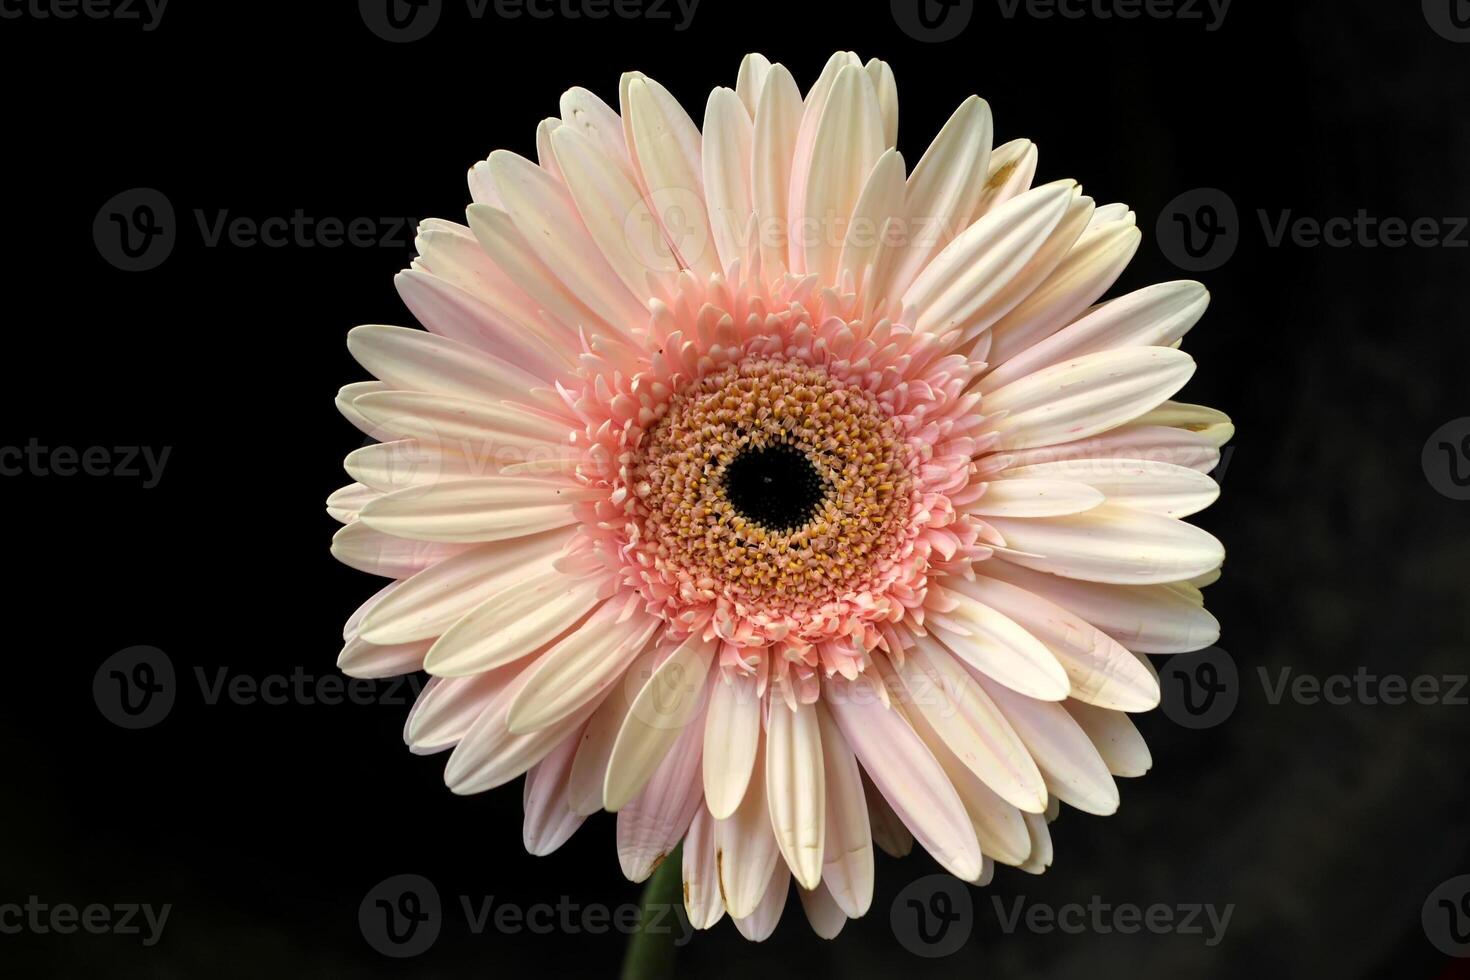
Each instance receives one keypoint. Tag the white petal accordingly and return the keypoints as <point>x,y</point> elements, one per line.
<point>477,430</point>
<point>1073,770</point>
<point>547,219</point>
<point>1169,445</point>
<point>880,201</point>
<point>997,645</point>
<point>360,658</point>
<point>1114,736</point>
<point>966,720</point>
<point>346,504</point>
<point>702,901</point>
<point>887,91</point>
<point>801,154</point>
<point>415,360</point>
<point>1141,484</point>
<point>1038,497</point>
<point>654,821</point>
<point>847,856</point>
<point>944,189</point>
<point>758,926</point>
<point>728,135</point>
<point>1086,396</point>
<point>955,291</point>
<point>751,79</point>
<point>1109,544</point>
<point>795,789</point>
<point>847,143</point>
<point>490,508</point>
<point>1155,316</point>
<point>549,821</point>
<point>587,115</point>
<point>589,769</point>
<point>731,737</point>
<point>666,155</point>
<point>427,604</point>
<point>359,546</point>
<point>1099,670</point>
<point>490,755</point>
<point>1144,618</point>
<point>527,613</point>
<point>908,776</point>
<point>580,668</point>
<point>1092,265</point>
<point>451,312</point>
<point>667,702</point>
<point>1012,168</point>
<point>777,118</point>
<point>889,833</point>
<point>822,911</point>
<point>747,851</point>
<point>616,215</point>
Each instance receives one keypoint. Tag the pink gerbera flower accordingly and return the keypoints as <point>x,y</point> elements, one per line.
<point>777,498</point>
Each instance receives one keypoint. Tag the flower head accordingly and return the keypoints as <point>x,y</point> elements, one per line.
<point>777,498</point>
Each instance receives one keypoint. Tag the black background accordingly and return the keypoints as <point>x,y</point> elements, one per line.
<point>264,826</point>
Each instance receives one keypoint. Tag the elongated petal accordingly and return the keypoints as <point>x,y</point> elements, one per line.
<point>847,855</point>
<point>490,508</point>
<point>966,719</point>
<point>731,736</point>
<point>1087,395</point>
<point>746,849</point>
<point>1109,544</point>
<point>1144,618</point>
<point>519,619</point>
<point>1114,736</point>
<point>653,822</point>
<point>1037,497</point>
<point>668,701</point>
<point>908,776</point>
<point>995,644</point>
<point>758,926</point>
<point>702,901</point>
<point>1156,487</point>
<point>728,136</point>
<point>777,117</point>
<point>549,822</point>
<point>580,669</point>
<point>795,789</point>
<point>359,546</point>
<point>848,142</point>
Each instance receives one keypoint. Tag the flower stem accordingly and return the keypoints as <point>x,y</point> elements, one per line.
<point>651,951</point>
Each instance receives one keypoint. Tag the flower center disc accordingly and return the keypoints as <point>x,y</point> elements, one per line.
<point>775,486</point>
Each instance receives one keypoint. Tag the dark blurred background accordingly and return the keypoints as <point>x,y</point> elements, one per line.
<point>1332,832</point>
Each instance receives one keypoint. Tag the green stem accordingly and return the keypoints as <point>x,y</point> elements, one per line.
<point>651,952</point>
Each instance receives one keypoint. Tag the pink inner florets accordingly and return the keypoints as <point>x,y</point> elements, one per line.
<point>929,426</point>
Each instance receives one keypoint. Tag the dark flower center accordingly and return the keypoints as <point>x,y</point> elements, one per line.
<point>775,486</point>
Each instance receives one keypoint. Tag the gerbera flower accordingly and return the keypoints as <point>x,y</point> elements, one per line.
<point>779,499</point>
